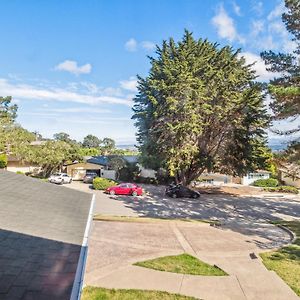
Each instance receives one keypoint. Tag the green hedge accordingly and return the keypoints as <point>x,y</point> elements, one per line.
<point>283,189</point>
<point>100,183</point>
<point>3,161</point>
<point>271,182</point>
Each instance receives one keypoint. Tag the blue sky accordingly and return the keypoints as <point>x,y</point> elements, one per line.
<point>71,65</point>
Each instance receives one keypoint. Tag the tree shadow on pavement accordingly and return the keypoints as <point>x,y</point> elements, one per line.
<point>249,215</point>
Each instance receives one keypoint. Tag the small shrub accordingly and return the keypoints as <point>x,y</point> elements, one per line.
<point>100,183</point>
<point>283,189</point>
<point>3,161</point>
<point>20,172</point>
<point>271,182</point>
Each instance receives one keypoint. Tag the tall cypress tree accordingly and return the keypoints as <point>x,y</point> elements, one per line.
<point>285,89</point>
<point>199,109</point>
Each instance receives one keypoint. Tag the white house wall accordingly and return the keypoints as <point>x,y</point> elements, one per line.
<point>251,177</point>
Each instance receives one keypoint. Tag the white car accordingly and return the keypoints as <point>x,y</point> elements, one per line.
<point>60,178</point>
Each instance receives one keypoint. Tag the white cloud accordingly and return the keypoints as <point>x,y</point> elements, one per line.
<point>147,45</point>
<point>31,92</point>
<point>277,11</point>
<point>258,8</point>
<point>225,26</point>
<point>131,45</point>
<point>91,110</point>
<point>236,9</point>
<point>71,66</point>
<point>259,66</point>
<point>130,85</point>
<point>266,43</point>
<point>257,26</point>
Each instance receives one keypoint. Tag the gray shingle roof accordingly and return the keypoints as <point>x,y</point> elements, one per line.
<point>41,232</point>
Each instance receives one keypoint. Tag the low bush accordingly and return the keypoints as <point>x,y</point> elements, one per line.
<point>20,172</point>
<point>100,183</point>
<point>271,182</point>
<point>283,189</point>
<point>3,161</point>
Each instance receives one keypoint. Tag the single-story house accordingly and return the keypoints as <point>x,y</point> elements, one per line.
<point>14,164</point>
<point>100,166</point>
<point>214,179</point>
<point>95,164</point>
<point>220,179</point>
<point>44,232</point>
<point>253,176</point>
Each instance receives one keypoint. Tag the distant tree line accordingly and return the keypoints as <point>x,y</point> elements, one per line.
<point>50,154</point>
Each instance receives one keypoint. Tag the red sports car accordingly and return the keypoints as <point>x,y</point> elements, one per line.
<point>125,189</point>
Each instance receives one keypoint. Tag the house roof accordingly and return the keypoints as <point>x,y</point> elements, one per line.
<point>98,160</point>
<point>104,160</point>
<point>42,228</point>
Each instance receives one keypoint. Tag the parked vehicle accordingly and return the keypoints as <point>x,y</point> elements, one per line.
<point>179,191</point>
<point>89,177</point>
<point>125,189</point>
<point>60,178</point>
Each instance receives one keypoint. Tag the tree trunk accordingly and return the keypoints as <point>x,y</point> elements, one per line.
<point>185,177</point>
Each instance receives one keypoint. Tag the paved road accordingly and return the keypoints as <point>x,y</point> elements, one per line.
<point>104,204</point>
<point>249,215</point>
<point>115,246</point>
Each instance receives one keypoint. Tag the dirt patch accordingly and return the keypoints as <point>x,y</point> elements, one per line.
<point>230,190</point>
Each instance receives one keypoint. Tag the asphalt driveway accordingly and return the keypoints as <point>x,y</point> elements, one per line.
<point>249,215</point>
<point>115,246</point>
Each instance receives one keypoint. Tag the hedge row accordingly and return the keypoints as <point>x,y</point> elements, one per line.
<point>271,182</point>
<point>100,183</point>
<point>282,189</point>
<point>3,161</point>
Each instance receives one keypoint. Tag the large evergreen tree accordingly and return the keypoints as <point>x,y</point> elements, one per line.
<point>285,89</point>
<point>200,109</point>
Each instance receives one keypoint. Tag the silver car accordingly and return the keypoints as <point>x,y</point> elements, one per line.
<point>60,178</point>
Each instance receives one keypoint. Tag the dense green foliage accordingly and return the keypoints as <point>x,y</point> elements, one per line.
<point>200,109</point>
<point>3,161</point>
<point>91,141</point>
<point>129,172</point>
<point>102,183</point>
<point>49,155</point>
<point>271,182</point>
<point>285,89</point>
<point>8,111</point>
<point>283,189</point>
<point>12,135</point>
<point>117,164</point>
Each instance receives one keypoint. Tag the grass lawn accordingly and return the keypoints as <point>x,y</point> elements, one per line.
<point>286,261</point>
<point>183,264</point>
<point>95,293</point>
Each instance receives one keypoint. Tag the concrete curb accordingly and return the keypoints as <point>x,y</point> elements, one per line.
<point>291,233</point>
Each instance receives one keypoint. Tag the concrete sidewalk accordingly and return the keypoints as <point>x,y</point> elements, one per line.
<point>115,246</point>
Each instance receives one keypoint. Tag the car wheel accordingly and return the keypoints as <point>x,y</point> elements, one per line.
<point>195,196</point>
<point>174,195</point>
<point>112,192</point>
<point>134,194</point>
